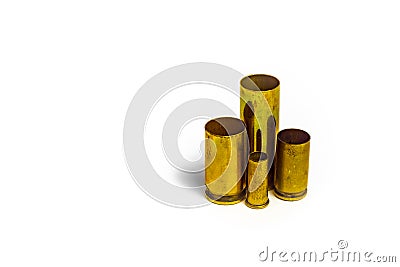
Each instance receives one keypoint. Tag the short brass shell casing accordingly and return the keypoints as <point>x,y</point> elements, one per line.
<point>226,155</point>
<point>257,181</point>
<point>259,109</point>
<point>292,162</point>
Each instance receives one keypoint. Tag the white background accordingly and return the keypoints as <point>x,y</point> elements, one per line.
<point>69,69</point>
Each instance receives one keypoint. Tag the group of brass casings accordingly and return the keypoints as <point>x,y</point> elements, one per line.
<point>246,157</point>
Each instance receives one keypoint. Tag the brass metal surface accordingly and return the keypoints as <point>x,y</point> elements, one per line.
<point>226,155</point>
<point>259,109</point>
<point>257,181</point>
<point>292,162</point>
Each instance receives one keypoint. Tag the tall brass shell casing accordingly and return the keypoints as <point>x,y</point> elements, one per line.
<point>226,155</point>
<point>259,109</point>
<point>292,157</point>
<point>257,181</point>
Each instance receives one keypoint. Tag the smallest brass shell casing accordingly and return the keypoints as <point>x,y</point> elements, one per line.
<point>292,155</point>
<point>257,181</point>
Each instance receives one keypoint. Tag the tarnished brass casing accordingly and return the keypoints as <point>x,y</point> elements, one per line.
<point>257,181</point>
<point>259,109</point>
<point>292,161</point>
<point>226,155</point>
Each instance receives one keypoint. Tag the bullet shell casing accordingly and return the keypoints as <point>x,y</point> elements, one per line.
<point>259,109</point>
<point>292,163</point>
<point>257,181</point>
<point>226,154</point>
